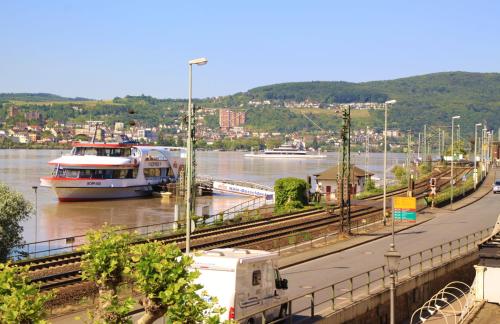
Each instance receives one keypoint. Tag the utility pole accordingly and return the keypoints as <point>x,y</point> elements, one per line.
<point>408,158</point>
<point>345,181</point>
<point>367,143</point>
<point>190,160</point>
<point>418,147</point>
<point>439,142</point>
<point>425,142</point>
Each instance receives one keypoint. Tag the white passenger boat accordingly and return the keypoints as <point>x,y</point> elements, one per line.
<point>295,149</point>
<point>96,171</point>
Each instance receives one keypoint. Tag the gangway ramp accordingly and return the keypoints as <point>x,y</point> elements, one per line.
<point>238,187</point>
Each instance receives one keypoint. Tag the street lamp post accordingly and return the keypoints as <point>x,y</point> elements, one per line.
<point>452,157</point>
<point>384,207</point>
<point>190,194</point>
<point>35,188</point>
<point>475,154</point>
<point>483,155</point>
<point>392,258</point>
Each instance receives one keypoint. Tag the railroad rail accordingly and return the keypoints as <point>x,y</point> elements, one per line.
<point>227,237</point>
<point>221,236</point>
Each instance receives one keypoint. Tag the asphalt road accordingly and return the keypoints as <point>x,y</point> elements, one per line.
<point>446,226</point>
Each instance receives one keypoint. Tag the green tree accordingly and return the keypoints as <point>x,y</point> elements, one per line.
<point>20,301</point>
<point>13,210</point>
<point>458,148</point>
<point>400,174</point>
<point>106,255</point>
<point>291,193</point>
<point>370,185</point>
<point>161,273</point>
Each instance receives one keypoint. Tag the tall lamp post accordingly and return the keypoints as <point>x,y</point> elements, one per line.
<point>452,157</point>
<point>392,258</point>
<point>190,194</point>
<point>384,207</point>
<point>475,154</point>
<point>35,188</point>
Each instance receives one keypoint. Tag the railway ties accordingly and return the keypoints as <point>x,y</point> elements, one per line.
<point>244,234</point>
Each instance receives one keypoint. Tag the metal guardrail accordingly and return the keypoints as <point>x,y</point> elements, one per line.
<point>245,206</point>
<point>71,243</point>
<point>338,295</point>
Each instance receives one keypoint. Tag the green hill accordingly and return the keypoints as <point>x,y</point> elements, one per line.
<point>427,99</point>
<point>38,97</point>
<point>430,99</point>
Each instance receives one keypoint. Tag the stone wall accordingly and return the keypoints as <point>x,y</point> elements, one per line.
<point>410,294</point>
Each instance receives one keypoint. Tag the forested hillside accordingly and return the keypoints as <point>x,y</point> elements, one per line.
<point>427,99</point>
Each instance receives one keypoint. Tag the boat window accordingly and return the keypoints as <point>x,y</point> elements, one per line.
<point>98,174</point>
<point>85,174</point>
<point>71,173</point>
<point>79,151</point>
<point>90,151</point>
<point>152,172</point>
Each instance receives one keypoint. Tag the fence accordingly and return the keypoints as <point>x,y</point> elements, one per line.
<point>338,295</point>
<point>238,209</point>
<point>71,243</point>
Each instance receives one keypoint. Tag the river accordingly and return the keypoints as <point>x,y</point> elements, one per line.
<point>22,169</point>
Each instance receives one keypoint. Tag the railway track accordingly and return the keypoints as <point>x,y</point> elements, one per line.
<point>269,231</point>
<point>223,236</point>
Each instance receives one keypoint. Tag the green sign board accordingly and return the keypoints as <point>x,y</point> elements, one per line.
<point>405,215</point>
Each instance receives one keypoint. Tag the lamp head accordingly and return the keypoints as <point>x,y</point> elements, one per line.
<point>478,124</point>
<point>199,61</point>
<point>392,257</point>
<point>390,102</point>
<point>455,117</point>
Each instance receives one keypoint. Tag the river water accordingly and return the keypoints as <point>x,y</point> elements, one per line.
<point>22,169</point>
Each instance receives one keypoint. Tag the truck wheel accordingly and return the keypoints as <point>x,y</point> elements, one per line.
<point>251,321</point>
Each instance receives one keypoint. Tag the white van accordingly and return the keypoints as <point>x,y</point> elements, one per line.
<point>244,282</point>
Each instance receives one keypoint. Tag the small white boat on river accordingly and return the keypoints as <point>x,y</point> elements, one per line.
<point>295,149</point>
<point>97,171</point>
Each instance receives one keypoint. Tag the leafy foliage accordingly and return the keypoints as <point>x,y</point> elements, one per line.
<point>161,273</point>
<point>400,174</point>
<point>291,193</point>
<point>13,210</point>
<point>20,301</point>
<point>105,256</point>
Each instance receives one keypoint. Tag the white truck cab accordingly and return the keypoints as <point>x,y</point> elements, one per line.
<point>244,281</point>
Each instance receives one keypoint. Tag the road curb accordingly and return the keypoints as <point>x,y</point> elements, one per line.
<point>476,199</point>
<point>306,259</point>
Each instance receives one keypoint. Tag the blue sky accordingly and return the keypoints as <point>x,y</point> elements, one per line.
<point>103,49</point>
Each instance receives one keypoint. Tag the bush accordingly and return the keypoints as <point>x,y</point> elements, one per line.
<point>290,193</point>
<point>13,210</point>
<point>20,301</point>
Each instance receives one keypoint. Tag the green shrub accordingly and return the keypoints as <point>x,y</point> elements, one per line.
<point>291,193</point>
